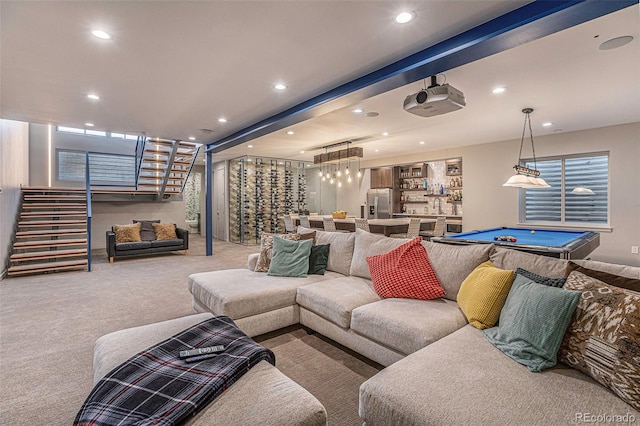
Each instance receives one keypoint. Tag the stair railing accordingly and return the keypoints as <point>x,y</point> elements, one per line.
<point>193,161</point>
<point>89,214</point>
<point>140,143</point>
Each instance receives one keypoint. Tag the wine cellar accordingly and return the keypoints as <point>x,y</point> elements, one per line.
<point>261,191</point>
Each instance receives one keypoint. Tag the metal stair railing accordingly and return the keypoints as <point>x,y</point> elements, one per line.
<point>89,214</point>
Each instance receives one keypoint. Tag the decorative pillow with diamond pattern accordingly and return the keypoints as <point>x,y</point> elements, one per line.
<point>603,337</point>
<point>405,272</point>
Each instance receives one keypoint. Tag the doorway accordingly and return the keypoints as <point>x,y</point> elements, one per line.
<point>219,203</point>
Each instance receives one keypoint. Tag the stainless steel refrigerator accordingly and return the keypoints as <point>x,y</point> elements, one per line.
<point>379,203</point>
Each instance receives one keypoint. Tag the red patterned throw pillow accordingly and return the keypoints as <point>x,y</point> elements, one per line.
<point>405,272</point>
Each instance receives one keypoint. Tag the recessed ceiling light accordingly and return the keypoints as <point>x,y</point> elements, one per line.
<point>249,146</point>
<point>222,120</point>
<point>192,138</point>
<point>290,132</point>
<point>279,86</point>
<point>377,150</point>
<point>358,110</point>
<point>101,34</point>
<point>88,124</point>
<point>421,142</point>
<point>372,114</point>
<point>499,90</point>
<point>93,96</point>
<point>547,124</point>
<point>404,17</point>
<point>385,134</point>
<point>301,152</point>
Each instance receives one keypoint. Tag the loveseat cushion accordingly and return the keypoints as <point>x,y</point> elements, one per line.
<point>133,246</point>
<point>617,280</point>
<point>240,293</point>
<point>341,250</point>
<point>463,379</point>
<point>551,267</point>
<point>167,243</point>
<point>335,299</point>
<point>453,263</point>
<point>146,230</point>
<point>407,325</point>
<point>367,244</point>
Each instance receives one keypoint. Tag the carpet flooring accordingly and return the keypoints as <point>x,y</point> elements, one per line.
<point>48,324</point>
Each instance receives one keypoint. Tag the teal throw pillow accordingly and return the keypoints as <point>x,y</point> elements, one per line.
<point>540,279</point>
<point>290,258</point>
<point>532,323</point>
<point>318,259</point>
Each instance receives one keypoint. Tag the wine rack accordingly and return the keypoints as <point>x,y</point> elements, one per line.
<point>261,191</point>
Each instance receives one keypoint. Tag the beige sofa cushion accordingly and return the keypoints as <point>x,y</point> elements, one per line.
<point>551,267</point>
<point>367,244</point>
<point>407,325</point>
<point>463,379</point>
<point>452,263</point>
<point>340,251</point>
<point>334,300</point>
<point>240,293</point>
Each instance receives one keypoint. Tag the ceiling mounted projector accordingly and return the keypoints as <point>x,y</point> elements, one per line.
<point>435,100</point>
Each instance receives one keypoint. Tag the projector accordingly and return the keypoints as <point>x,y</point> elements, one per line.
<point>435,100</point>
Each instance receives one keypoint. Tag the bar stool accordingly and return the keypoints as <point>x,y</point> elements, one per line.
<point>438,229</point>
<point>412,231</point>
<point>362,224</point>
<point>304,221</point>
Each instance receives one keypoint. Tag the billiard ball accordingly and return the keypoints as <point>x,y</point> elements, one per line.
<point>533,231</point>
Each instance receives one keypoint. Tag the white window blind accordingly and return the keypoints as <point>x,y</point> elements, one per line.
<point>110,169</point>
<point>558,204</point>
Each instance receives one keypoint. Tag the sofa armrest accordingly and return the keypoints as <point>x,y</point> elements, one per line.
<point>183,234</point>
<point>111,243</point>
<point>252,261</point>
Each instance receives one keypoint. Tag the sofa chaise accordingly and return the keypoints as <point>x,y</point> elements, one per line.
<point>440,369</point>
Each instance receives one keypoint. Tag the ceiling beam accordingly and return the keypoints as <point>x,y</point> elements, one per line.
<point>530,22</point>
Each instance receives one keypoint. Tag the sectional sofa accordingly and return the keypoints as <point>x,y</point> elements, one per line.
<point>440,369</point>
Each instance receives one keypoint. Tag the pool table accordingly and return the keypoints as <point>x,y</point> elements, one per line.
<point>564,244</point>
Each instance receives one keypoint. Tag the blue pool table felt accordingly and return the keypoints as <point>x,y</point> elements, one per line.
<point>541,237</point>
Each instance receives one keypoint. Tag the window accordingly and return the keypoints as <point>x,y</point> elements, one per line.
<point>89,132</point>
<point>558,205</point>
<point>105,169</point>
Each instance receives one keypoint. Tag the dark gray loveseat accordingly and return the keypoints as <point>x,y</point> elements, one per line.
<point>148,245</point>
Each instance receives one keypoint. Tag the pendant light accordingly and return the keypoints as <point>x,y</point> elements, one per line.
<point>526,177</point>
<point>582,190</point>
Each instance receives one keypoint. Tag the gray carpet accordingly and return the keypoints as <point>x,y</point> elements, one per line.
<point>48,324</point>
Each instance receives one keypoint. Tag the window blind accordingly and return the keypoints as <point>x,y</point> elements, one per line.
<point>549,205</point>
<point>103,168</point>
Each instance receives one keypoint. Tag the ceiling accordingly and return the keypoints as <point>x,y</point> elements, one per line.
<point>173,68</point>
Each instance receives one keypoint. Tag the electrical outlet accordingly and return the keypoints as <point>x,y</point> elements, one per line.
<point>634,249</point>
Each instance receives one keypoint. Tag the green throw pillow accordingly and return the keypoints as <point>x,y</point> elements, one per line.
<point>290,258</point>
<point>318,259</point>
<point>532,323</point>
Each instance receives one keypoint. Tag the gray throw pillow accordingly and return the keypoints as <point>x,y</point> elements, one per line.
<point>318,259</point>
<point>289,258</point>
<point>532,324</point>
<point>553,282</point>
<point>146,231</point>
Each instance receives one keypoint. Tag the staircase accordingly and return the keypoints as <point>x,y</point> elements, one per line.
<point>51,235</point>
<point>165,165</point>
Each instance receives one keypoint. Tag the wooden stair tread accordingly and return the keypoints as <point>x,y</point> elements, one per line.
<point>45,189</point>
<point>163,143</point>
<point>174,185</point>
<point>148,184</point>
<point>49,233</point>
<point>188,144</point>
<point>49,266</point>
<point>49,243</point>
<point>49,254</point>
<point>53,205</point>
<point>152,169</point>
<point>44,223</point>
<point>53,214</point>
<point>28,197</point>
<point>123,191</point>
<point>184,163</point>
<point>153,160</point>
<point>181,171</point>
<point>157,152</point>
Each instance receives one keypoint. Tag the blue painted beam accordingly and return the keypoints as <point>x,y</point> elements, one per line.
<point>530,22</point>
<point>209,204</point>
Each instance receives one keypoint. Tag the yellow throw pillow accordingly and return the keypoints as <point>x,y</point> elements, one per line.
<point>483,293</point>
<point>165,231</point>
<point>127,233</point>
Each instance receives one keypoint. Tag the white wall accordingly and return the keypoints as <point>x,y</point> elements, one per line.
<point>14,172</point>
<point>486,167</point>
<point>352,195</point>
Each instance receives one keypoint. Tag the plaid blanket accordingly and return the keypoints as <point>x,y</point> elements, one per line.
<point>155,387</point>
